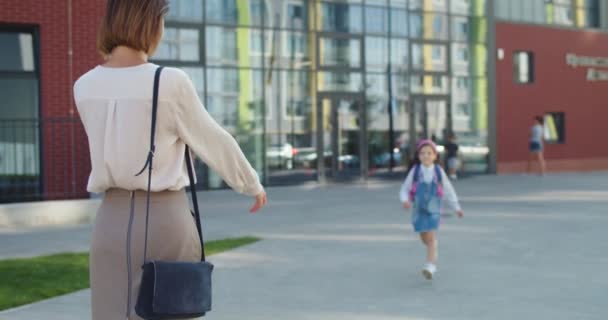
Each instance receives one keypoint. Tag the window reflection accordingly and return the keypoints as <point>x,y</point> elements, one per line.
<point>376,53</point>
<point>428,5</point>
<point>227,46</point>
<point>429,84</point>
<point>17,51</point>
<point>185,10</point>
<point>429,57</point>
<point>429,26</point>
<point>399,55</point>
<point>376,20</point>
<point>179,44</point>
<point>398,22</point>
<point>343,52</point>
<point>341,17</point>
<point>339,81</point>
<point>236,12</point>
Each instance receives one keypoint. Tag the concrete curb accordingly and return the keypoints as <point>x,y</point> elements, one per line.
<point>48,213</point>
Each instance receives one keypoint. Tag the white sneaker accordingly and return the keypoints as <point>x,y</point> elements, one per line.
<point>453,177</point>
<point>428,271</point>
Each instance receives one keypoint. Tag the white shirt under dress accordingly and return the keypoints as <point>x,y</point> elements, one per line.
<point>115,105</point>
<point>428,174</point>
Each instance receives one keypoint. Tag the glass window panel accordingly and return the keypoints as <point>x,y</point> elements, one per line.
<point>429,84</point>
<point>295,53</point>
<point>429,57</point>
<point>587,18</point>
<point>339,81</point>
<point>400,85</point>
<point>399,55</point>
<point>297,88</point>
<point>179,44</point>
<point>236,12</point>
<point>415,20</point>
<point>523,67</point>
<point>16,51</point>
<point>460,28</point>
<point>19,98</point>
<point>460,57</point>
<point>461,86</point>
<point>527,13</point>
<point>377,2</point>
<point>399,22</point>
<point>221,11</point>
<point>429,26</point>
<point>287,49</point>
<point>297,15</point>
<point>376,84</point>
<point>376,20</point>
<point>227,46</point>
<point>460,6</point>
<point>563,15</point>
<point>290,132</point>
<point>234,100</point>
<point>398,3</point>
<point>429,5</point>
<point>340,52</point>
<point>376,53</point>
<point>185,10</point>
<point>502,9</point>
<point>341,17</point>
<point>555,127</point>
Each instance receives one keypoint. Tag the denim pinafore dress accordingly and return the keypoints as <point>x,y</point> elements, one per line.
<point>426,197</point>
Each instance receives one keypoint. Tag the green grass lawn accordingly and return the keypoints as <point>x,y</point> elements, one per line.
<point>24,281</point>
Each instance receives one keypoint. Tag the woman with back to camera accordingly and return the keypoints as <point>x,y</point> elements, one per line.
<point>114,101</point>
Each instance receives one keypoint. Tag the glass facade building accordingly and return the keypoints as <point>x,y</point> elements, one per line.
<point>316,90</point>
<point>313,90</point>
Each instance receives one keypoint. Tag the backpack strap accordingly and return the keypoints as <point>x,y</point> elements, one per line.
<point>438,174</point>
<point>439,178</point>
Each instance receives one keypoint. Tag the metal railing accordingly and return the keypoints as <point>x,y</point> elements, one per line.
<point>43,159</point>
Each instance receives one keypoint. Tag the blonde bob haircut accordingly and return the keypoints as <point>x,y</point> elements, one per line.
<point>132,23</point>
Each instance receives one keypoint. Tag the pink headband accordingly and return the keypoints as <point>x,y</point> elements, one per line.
<point>426,142</point>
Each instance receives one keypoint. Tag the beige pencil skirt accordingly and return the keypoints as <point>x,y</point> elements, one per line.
<point>117,246</point>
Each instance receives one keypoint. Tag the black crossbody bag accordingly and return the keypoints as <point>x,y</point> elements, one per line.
<point>172,289</point>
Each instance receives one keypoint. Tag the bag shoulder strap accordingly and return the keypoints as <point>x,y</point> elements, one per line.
<point>438,173</point>
<point>416,173</point>
<point>148,165</point>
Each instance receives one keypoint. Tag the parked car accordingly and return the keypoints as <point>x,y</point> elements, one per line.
<point>280,156</point>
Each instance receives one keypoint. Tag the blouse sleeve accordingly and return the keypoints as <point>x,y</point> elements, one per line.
<point>404,193</point>
<point>214,145</point>
<point>449,194</point>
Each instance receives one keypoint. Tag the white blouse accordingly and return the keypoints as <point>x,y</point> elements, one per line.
<point>115,105</point>
<point>428,174</point>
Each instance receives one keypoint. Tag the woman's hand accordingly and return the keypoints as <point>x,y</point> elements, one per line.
<point>460,213</point>
<point>260,201</point>
<point>407,205</point>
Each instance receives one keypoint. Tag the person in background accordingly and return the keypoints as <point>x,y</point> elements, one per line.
<point>452,160</point>
<point>536,146</point>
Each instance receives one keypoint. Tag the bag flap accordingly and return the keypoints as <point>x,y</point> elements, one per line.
<point>182,287</point>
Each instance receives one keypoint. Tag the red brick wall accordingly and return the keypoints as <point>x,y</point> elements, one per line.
<point>66,163</point>
<point>557,87</point>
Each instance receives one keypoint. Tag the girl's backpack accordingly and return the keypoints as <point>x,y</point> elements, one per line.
<point>438,178</point>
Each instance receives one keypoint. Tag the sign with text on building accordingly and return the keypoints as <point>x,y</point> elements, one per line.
<point>592,63</point>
